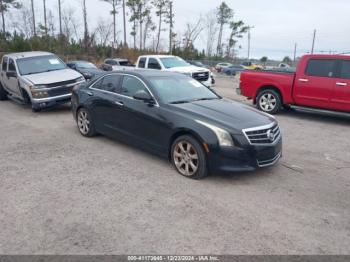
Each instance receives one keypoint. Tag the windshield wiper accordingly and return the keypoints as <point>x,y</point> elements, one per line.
<point>181,102</point>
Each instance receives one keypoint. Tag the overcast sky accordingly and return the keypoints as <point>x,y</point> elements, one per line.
<point>278,24</point>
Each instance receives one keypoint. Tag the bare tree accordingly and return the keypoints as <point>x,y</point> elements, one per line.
<point>124,23</point>
<point>23,22</point>
<point>211,29</point>
<point>70,24</point>
<point>103,31</point>
<point>6,5</point>
<point>149,27</point>
<point>192,33</point>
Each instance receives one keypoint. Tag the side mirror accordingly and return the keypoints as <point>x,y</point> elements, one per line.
<point>143,96</point>
<point>11,74</point>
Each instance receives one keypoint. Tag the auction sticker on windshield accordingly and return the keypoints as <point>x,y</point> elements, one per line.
<point>195,83</point>
<point>54,61</point>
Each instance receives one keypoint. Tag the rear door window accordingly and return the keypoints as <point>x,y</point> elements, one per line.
<point>142,62</point>
<point>320,67</point>
<point>345,69</point>
<point>109,83</point>
<point>153,64</point>
<point>4,63</point>
<point>131,85</point>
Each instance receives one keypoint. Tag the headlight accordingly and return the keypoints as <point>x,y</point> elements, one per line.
<point>36,93</point>
<point>223,136</point>
<point>80,79</point>
<point>38,87</point>
<point>87,75</point>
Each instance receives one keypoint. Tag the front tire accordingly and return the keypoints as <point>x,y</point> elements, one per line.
<point>188,157</point>
<point>269,101</point>
<point>85,123</point>
<point>3,93</point>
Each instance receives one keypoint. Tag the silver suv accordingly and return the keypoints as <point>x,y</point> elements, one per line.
<point>37,78</point>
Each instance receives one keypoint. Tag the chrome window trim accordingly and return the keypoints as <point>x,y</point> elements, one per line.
<point>262,128</point>
<point>124,74</point>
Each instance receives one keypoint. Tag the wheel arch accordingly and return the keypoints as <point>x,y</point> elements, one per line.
<point>268,87</point>
<point>182,132</point>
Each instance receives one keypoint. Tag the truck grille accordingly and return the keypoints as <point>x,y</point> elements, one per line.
<point>59,91</point>
<point>201,76</point>
<point>263,135</point>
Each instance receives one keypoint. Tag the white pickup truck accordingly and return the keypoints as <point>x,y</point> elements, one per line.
<point>175,64</point>
<point>37,78</point>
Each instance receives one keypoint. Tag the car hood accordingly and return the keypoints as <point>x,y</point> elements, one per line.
<point>187,69</point>
<point>226,113</point>
<point>52,77</point>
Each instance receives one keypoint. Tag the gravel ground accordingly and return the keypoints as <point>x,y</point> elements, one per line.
<point>62,193</point>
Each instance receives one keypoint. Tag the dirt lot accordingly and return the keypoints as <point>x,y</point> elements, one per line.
<point>61,193</point>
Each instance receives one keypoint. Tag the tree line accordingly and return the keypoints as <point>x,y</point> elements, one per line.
<point>146,19</point>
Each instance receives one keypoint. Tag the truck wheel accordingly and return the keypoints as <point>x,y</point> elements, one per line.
<point>3,93</point>
<point>269,101</point>
<point>188,157</point>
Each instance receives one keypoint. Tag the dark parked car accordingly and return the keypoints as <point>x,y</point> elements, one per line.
<point>87,69</point>
<point>177,117</point>
<point>233,70</point>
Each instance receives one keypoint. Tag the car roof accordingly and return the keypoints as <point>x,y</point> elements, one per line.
<point>27,54</point>
<point>117,59</point>
<point>78,61</point>
<point>145,73</point>
<point>158,56</point>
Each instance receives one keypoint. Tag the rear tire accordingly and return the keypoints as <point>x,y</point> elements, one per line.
<point>85,123</point>
<point>189,158</point>
<point>269,101</point>
<point>3,93</point>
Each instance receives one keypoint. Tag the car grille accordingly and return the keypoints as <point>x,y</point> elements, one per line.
<point>263,135</point>
<point>269,162</point>
<point>59,91</point>
<point>201,76</point>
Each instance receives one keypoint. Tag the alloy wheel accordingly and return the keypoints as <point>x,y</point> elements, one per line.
<point>83,122</point>
<point>268,102</point>
<point>186,158</point>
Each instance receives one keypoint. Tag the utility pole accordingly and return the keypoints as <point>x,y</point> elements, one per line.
<point>249,38</point>
<point>295,52</point>
<point>171,29</point>
<point>313,42</point>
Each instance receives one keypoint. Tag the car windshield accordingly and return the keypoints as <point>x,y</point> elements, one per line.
<point>170,62</point>
<point>124,63</point>
<point>85,65</point>
<point>39,64</point>
<point>182,89</point>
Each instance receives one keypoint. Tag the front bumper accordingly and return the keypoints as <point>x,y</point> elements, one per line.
<point>247,158</point>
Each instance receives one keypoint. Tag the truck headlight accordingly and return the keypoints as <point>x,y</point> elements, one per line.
<point>38,87</point>
<point>188,74</point>
<point>37,93</point>
<point>222,135</point>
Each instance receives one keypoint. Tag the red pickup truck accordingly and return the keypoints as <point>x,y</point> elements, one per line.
<point>319,82</point>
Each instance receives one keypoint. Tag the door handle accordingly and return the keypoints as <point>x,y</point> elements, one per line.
<point>118,103</point>
<point>303,80</point>
<point>341,84</point>
<point>90,93</point>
